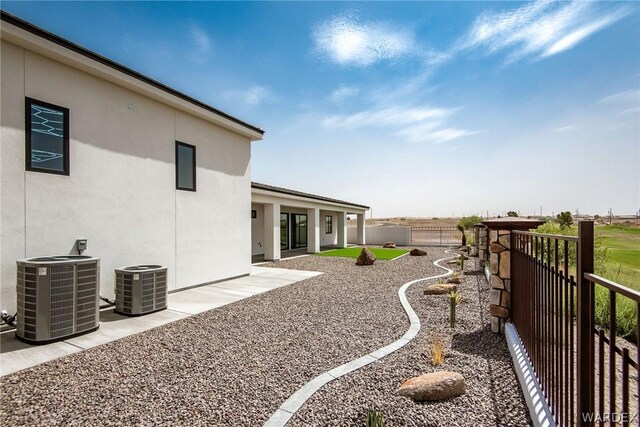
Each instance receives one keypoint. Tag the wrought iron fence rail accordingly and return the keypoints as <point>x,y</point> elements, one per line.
<point>548,236</point>
<point>613,286</point>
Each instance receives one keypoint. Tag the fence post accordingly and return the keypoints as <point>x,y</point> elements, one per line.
<point>585,359</point>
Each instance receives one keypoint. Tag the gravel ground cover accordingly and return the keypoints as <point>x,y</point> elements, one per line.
<point>493,396</point>
<point>232,366</point>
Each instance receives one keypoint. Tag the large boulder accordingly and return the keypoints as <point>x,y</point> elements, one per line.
<point>389,245</point>
<point>366,257</point>
<point>440,289</point>
<point>418,252</point>
<point>434,386</point>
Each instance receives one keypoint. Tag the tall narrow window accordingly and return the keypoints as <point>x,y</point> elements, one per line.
<point>185,167</point>
<point>47,137</point>
<point>328,224</point>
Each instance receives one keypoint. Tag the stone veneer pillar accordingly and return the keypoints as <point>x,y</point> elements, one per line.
<point>500,266</point>
<point>483,253</point>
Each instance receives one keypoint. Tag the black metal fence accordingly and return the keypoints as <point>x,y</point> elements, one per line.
<point>436,236</point>
<point>553,310</point>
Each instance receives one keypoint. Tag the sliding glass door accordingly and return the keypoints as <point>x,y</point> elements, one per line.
<point>298,231</point>
<point>284,231</point>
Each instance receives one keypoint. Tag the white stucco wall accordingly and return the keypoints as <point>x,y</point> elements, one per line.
<point>120,194</point>
<point>332,238</point>
<point>379,235</point>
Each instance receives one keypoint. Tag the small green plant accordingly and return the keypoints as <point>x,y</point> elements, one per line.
<point>455,298</point>
<point>462,257</point>
<point>437,352</point>
<point>374,419</point>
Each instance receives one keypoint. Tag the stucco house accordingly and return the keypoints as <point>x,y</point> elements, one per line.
<point>93,150</point>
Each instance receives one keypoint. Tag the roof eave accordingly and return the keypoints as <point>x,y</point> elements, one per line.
<point>29,36</point>
<point>293,193</point>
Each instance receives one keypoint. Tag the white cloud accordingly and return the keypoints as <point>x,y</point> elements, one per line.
<point>631,96</point>
<point>394,116</point>
<point>566,128</point>
<point>347,41</point>
<point>576,36</point>
<point>202,45</point>
<point>540,29</point>
<point>251,96</point>
<point>342,92</point>
<point>421,133</point>
<point>413,124</point>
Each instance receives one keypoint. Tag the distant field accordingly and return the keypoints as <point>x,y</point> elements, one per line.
<point>353,252</point>
<point>623,245</point>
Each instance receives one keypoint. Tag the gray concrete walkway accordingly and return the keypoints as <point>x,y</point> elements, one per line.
<point>16,355</point>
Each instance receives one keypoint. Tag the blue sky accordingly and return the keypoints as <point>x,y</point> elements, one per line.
<point>417,109</point>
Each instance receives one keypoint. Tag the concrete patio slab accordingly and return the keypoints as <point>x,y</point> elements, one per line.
<point>114,326</point>
<point>194,301</point>
<point>16,355</point>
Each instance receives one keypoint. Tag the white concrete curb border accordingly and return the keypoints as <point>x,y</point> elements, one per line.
<point>284,413</point>
<point>538,408</point>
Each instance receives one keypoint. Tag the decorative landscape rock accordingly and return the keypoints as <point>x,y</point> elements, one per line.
<point>389,245</point>
<point>418,252</point>
<point>366,257</point>
<point>440,289</point>
<point>456,280</point>
<point>434,386</point>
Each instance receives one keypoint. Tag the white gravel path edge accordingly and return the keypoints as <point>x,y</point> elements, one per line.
<point>284,413</point>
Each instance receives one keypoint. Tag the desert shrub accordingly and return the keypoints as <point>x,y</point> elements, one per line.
<point>437,352</point>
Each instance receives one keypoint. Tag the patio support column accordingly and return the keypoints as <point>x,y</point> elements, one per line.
<point>313,230</point>
<point>272,231</point>
<point>361,230</point>
<point>342,229</point>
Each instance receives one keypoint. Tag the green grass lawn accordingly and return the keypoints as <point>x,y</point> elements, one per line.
<point>622,266</point>
<point>623,248</point>
<point>354,251</point>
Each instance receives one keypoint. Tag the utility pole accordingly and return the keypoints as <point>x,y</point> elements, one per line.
<point>610,216</point>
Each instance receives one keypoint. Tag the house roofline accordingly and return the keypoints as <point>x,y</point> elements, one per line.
<point>281,190</point>
<point>42,33</point>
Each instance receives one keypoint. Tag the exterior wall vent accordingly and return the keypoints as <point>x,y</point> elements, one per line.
<point>57,297</point>
<point>141,289</point>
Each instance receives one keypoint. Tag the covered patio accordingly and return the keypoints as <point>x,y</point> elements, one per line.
<point>286,223</point>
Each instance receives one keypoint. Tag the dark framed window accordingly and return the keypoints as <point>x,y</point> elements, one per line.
<point>185,166</point>
<point>328,224</point>
<point>254,214</point>
<point>47,137</point>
